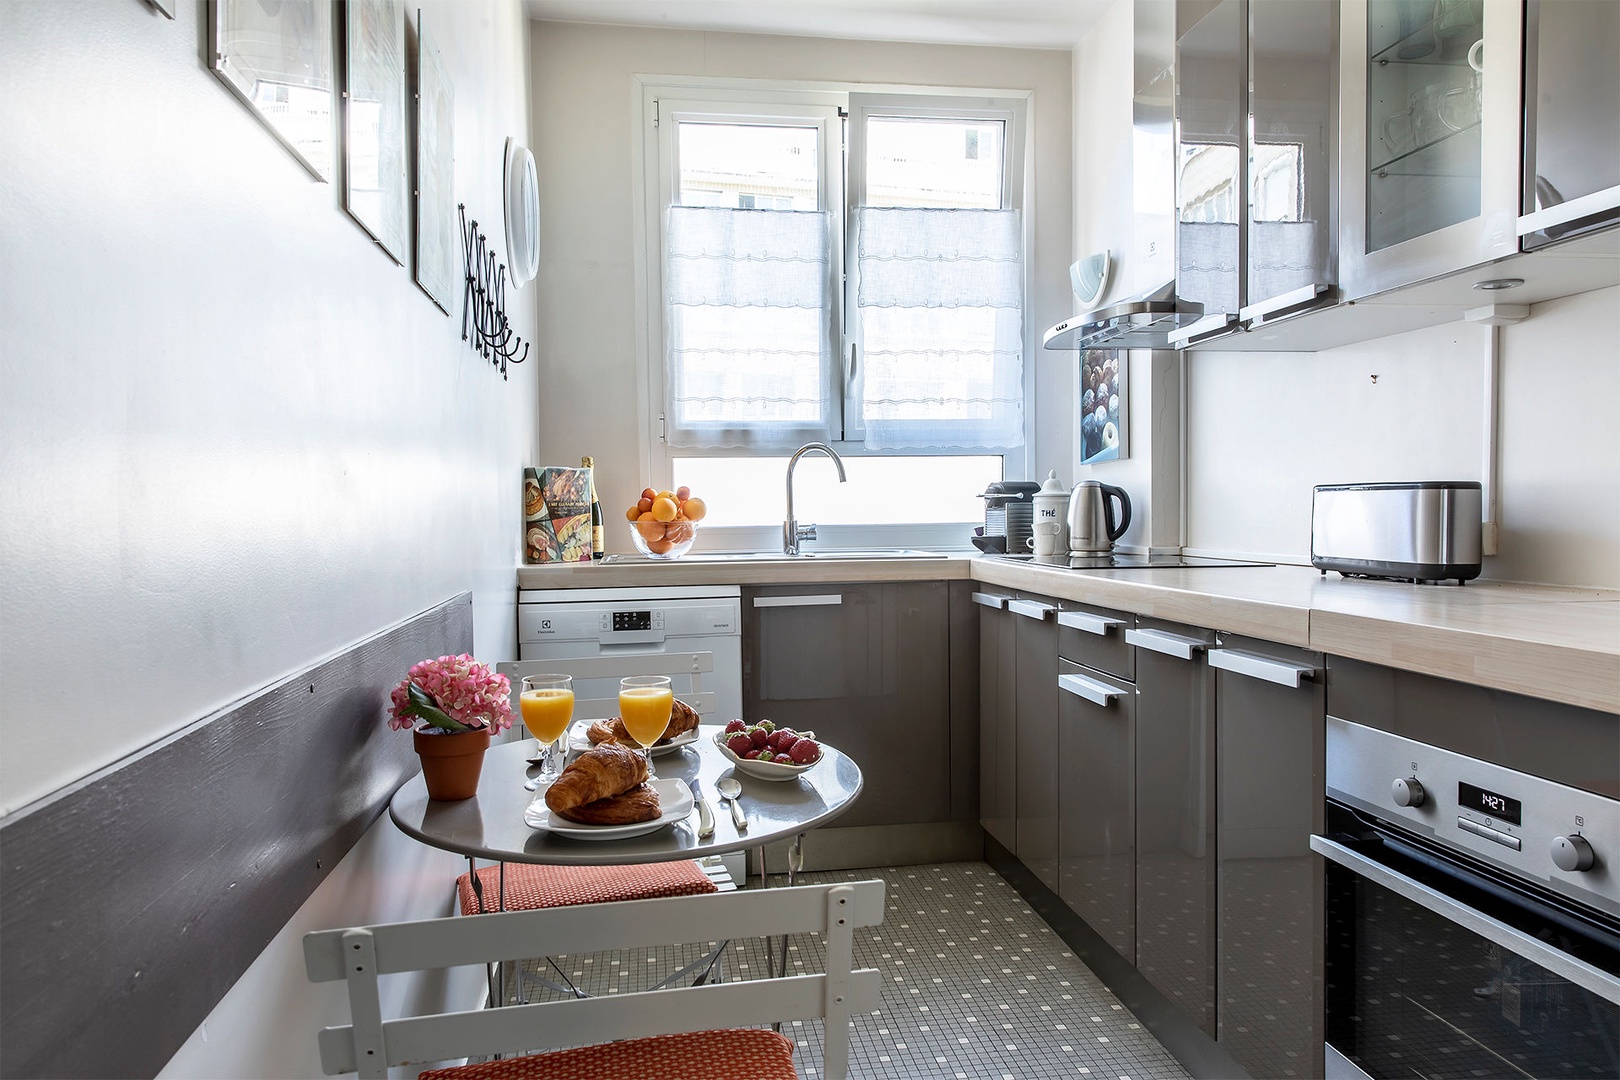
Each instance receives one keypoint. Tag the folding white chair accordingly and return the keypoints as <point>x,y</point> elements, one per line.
<point>665,1034</point>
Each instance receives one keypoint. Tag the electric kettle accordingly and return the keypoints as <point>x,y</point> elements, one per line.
<point>1092,527</point>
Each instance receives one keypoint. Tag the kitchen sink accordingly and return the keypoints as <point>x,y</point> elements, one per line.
<point>777,556</point>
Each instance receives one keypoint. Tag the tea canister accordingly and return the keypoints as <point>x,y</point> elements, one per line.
<point>1050,527</point>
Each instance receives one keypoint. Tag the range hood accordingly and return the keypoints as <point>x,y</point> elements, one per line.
<point>1141,322</point>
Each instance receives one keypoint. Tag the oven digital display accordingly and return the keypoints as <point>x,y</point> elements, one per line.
<point>1488,802</point>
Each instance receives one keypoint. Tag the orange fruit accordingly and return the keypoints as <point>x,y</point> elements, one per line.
<point>695,509</point>
<point>658,547</point>
<point>680,531</point>
<point>633,513</point>
<point>650,529</point>
<point>664,509</point>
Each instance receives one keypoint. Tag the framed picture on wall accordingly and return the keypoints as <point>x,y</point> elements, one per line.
<point>375,183</point>
<point>435,174</point>
<point>1104,405</point>
<point>277,58</point>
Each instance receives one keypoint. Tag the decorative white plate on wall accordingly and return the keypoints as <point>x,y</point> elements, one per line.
<point>522,214</point>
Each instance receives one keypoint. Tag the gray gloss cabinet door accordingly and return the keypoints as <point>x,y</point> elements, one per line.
<point>998,690</point>
<point>1270,749</point>
<point>1096,797</point>
<point>1175,816</point>
<point>1035,738</point>
<point>868,673</point>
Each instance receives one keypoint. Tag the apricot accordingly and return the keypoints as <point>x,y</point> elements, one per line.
<point>644,505</point>
<point>649,494</point>
<point>683,493</point>
<point>633,513</point>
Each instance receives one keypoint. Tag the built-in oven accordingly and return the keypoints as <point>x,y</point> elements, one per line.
<point>1472,916</point>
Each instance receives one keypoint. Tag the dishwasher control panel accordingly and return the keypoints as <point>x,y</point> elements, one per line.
<point>617,621</point>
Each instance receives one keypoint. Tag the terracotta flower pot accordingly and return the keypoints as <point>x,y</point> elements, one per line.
<point>451,762</point>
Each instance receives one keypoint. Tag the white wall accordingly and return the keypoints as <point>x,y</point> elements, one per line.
<point>583,96</point>
<point>1262,428</point>
<point>234,436</point>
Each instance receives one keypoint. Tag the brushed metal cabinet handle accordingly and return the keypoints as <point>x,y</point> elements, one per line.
<point>811,600</point>
<point>1030,609</point>
<point>1160,641</point>
<point>1098,693</point>
<point>991,600</point>
<point>1280,672</point>
<point>1101,625</point>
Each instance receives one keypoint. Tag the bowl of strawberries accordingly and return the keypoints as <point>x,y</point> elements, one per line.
<point>768,752</point>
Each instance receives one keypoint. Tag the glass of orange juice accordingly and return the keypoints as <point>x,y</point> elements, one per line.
<point>547,704</point>
<point>645,703</point>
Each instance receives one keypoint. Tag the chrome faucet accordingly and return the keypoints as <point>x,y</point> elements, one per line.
<point>792,531</point>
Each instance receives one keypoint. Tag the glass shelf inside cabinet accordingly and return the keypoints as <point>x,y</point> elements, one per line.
<point>1456,153</point>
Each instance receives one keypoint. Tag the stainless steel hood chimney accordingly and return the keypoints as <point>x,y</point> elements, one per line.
<point>1141,322</point>
<point>1146,319</point>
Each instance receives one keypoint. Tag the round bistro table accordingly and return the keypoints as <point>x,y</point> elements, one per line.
<point>490,825</point>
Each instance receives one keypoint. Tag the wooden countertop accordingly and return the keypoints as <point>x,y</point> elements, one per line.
<point>1556,643</point>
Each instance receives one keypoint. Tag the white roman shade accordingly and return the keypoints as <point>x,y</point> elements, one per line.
<point>749,324</point>
<point>940,296</point>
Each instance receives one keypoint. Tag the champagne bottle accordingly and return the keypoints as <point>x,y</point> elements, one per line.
<point>598,537</point>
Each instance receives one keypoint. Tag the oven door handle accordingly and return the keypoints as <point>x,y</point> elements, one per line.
<point>1516,941</point>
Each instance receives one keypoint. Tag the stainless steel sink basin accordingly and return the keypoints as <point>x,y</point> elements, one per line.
<point>777,556</point>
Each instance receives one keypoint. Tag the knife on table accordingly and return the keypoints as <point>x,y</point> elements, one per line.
<point>705,815</point>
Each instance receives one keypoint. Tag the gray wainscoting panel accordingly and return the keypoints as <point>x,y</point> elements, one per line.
<point>131,901</point>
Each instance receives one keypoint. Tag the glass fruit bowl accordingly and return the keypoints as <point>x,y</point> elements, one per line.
<point>663,539</point>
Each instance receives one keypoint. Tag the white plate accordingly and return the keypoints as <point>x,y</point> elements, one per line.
<point>765,770</point>
<point>578,740</point>
<point>674,799</point>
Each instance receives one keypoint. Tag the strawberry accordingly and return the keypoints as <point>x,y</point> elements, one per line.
<point>761,737</point>
<point>739,743</point>
<point>805,751</point>
<point>735,726</point>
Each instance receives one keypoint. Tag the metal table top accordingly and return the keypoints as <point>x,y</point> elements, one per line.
<point>490,825</point>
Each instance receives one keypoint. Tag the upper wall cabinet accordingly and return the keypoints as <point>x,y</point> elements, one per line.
<point>1571,137</point>
<point>1429,177</point>
<point>1255,232</point>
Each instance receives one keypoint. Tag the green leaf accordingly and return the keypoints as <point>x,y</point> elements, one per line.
<point>422,706</point>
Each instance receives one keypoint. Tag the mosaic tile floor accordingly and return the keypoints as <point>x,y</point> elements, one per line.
<point>976,985</point>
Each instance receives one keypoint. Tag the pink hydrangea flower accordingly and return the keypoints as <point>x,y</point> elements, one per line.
<point>453,693</point>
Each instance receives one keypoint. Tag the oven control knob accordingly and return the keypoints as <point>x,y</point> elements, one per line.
<point>1572,853</point>
<point>1407,792</point>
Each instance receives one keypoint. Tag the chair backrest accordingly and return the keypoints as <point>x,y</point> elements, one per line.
<point>369,1044</point>
<point>596,679</point>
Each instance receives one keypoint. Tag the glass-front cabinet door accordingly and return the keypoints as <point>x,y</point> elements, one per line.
<point>1430,113</point>
<point>1292,263</point>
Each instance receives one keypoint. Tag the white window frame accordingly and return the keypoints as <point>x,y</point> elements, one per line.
<point>863,107</point>
<point>659,97</point>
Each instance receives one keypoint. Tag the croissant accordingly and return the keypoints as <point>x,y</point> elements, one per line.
<point>638,804</point>
<point>682,718</point>
<point>604,770</point>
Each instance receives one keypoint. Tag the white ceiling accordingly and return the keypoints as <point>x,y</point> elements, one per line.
<point>1039,24</point>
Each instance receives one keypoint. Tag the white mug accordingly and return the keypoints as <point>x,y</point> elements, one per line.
<point>1048,538</point>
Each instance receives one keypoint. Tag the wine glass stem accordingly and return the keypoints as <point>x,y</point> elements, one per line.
<point>646,752</point>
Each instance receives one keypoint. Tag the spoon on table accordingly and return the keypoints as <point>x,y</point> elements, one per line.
<point>729,790</point>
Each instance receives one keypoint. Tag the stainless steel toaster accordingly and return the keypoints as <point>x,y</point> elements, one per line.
<point>1428,531</point>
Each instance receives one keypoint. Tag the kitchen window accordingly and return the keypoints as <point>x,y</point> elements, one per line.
<point>837,267</point>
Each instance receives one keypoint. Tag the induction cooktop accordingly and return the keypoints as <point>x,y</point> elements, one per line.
<point>1120,561</point>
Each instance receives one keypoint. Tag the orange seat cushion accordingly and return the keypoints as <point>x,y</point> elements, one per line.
<point>725,1054</point>
<point>535,885</point>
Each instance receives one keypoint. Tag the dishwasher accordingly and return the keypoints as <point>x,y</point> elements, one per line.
<point>691,633</point>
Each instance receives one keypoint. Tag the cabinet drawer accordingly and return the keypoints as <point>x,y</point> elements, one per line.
<point>1094,637</point>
